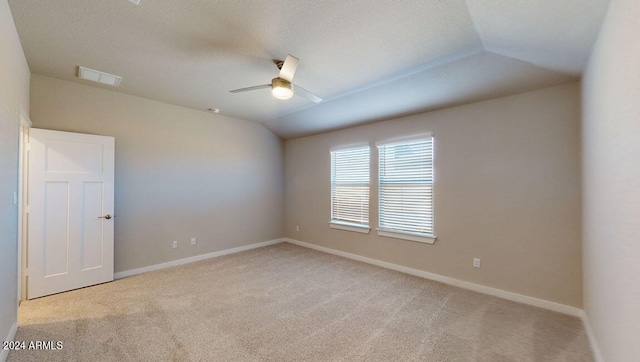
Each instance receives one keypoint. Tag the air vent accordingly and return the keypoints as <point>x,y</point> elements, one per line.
<point>100,77</point>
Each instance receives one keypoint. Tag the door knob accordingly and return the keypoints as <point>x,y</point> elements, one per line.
<point>107,216</point>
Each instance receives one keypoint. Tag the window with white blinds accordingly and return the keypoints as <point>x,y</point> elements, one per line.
<point>350,186</point>
<point>406,188</point>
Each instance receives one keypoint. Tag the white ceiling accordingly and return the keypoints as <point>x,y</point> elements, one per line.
<point>368,59</point>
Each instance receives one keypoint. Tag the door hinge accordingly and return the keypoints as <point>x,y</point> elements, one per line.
<point>26,272</point>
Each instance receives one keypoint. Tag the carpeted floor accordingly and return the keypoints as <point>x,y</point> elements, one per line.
<point>288,303</point>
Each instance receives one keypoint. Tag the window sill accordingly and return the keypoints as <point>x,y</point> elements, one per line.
<point>349,227</point>
<point>427,239</point>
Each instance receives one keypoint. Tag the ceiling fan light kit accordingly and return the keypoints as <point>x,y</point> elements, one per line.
<point>281,88</point>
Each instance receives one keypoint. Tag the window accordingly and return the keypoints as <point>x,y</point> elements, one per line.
<point>350,189</point>
<point>406,189</point>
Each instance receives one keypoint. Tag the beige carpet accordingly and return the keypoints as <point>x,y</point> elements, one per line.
<point>288,303</point>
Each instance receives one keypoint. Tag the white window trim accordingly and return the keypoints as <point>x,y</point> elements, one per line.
<point>421,238</point>
<point>352,145</point>
<point>341,225</point>
<point>347,225</point>
<point>391,141</point>
<point>398,234</point>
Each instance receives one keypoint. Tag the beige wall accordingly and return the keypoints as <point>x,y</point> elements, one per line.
<point>180,173</point>
<point>14,93</point>
<point>507,191</point>
<point>611,149</point>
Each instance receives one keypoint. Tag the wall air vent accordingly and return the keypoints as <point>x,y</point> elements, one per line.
<point>100,77</point>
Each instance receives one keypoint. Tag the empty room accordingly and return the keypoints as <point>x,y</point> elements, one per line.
<point>319,180</point>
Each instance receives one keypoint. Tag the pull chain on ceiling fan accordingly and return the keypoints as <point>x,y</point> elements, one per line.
<point>282,86</point>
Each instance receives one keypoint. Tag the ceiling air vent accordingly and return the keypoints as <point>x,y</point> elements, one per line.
<point>100,77</point>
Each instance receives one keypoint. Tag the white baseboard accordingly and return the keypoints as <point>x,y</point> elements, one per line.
<point>128,273</point>
<point>12,334</point>
<point>515,297</point>
<point>597,354</point>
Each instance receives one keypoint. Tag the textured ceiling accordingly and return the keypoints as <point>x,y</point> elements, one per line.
<point>368,59</point>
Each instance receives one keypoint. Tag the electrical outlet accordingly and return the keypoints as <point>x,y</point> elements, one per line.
<point>193,241</point>
<point>297,228</point>
<point>175,244</point>
<point>476,262</point>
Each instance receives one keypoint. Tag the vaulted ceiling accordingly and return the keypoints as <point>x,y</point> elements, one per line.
<point>368,59</point>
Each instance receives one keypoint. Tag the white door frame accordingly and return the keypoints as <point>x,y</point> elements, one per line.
<point>23,159</point>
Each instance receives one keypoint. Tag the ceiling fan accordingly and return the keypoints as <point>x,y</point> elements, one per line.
<point>282,86</point>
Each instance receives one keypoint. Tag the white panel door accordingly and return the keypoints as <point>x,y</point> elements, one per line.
<point>70,219</point>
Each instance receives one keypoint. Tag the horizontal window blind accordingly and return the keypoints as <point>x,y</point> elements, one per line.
<point>350,185</point>
<point>406,186</point>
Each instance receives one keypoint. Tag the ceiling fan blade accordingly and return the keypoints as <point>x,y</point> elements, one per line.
<point>288,68</point>
<point>305,93</point>
<point>251,88</point>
